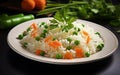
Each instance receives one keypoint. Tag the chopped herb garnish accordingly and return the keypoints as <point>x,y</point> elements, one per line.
<point>59,56</point>
<point>53,26</point>
<point>76,42</point>
<point>53,21</point>
<point>69,39</point>
<point>61,16</point>
<point>69,47</point>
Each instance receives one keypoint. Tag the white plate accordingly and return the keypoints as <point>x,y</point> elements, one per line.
<point>111,43</point>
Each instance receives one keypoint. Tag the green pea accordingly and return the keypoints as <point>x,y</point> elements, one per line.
<point>20,36</point>
<point>58,56</point>
<point>42,53</point>
<point>69,39</point>
<point>69,47</point>
<point>87,54</point>
<point>37,38</point>
<point>76,42</point>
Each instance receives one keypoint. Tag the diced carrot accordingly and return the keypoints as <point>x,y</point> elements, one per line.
<point>85,33</point>
<point>55,44</point>
<point>52,44</point>
<point>33,34</point>
<point>88,40</point>
<point>47,39</point>
<point>34,26</point>
<point>79,52</point>
<point>68,55</point>
<point>38,52</point>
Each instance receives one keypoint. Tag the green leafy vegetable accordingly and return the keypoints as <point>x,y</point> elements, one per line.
<point>84,9</point>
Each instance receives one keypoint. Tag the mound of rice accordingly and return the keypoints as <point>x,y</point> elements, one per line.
<point>55,41</point>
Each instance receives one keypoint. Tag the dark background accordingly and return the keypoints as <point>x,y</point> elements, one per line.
<point>12,63</point>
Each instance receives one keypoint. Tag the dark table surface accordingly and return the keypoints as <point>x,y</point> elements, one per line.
<point>12,63</point>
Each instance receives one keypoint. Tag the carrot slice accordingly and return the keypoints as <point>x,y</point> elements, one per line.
<point>34,26</point>
<point>38,52</point>
<point>85,33</point>
<point>88,40</point>
<point>79,52</point>
<point>33,34</point>
<point>47,39</point>
<point>68,55</point>
<point>55,44</point>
